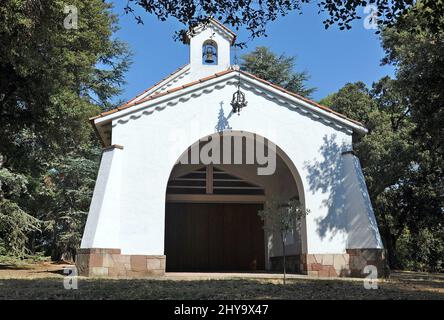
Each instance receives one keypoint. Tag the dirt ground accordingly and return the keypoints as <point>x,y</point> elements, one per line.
<point>46,281</point>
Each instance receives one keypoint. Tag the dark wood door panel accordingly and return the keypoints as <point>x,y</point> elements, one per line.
<point>213,237</point>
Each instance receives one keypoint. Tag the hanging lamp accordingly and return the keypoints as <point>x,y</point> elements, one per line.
<point>238,102</point>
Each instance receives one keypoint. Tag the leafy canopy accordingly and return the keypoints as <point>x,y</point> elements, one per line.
<point>282,216</point>
<point>52,80</point>
<point>254,15</point>
<point>277,69</point>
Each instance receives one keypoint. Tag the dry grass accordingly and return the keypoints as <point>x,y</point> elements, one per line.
<point>45,281</point>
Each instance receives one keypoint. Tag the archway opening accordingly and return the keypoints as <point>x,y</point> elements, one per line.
<point>211,216</point>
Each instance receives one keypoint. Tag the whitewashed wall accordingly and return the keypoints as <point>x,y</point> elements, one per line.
<point>102,229</point>
<point>199,70</point>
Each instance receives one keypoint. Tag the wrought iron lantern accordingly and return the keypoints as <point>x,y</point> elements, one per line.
<point>238,101</point>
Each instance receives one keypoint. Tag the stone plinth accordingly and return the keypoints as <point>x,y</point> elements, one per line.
<point>359,258</point>
<point>97,262</point>
<point>293,263</point>
<point>349,264</point>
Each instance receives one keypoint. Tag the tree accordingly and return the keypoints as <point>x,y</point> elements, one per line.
<point>416,50</point>
<point>281,217</point>
<point>402,156</point>
<point>414,45</point>
<point>65,194</point>
<point>276,69</point>
<point>14,222</point>
<point>254,15</point>
<point>353,100</point>
<point>52,80</point>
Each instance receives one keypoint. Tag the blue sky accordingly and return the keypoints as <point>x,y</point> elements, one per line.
<point>331,57</point>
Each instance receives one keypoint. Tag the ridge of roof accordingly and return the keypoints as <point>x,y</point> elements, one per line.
<point>157,83</point>
<point>224,27</point>
<point>132,103</point>
<point>218,24</point>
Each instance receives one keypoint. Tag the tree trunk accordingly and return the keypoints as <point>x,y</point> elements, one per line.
<point>283,254</point>
<point>390,245</point>
<point>67,257</point>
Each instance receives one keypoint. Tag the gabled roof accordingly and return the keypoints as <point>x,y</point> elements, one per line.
<point>231,35</point>
<point>103,121</point>
<point>134,102</point>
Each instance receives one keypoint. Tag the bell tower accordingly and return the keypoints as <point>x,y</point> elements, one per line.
<point>210,46</point>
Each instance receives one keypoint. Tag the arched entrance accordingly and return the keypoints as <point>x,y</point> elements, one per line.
<point>211,215</point>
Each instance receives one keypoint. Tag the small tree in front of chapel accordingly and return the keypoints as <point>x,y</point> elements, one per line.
<point>281,217</point>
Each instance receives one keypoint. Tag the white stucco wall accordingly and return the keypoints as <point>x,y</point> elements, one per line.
<point>199,70</point>
<point>102,228</point>
<point>362,229</point>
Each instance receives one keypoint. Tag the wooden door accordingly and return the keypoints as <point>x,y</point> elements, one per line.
<point>213,237</point>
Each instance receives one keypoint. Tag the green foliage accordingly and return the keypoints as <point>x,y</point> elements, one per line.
<point>255,15</point>
<point>65,192</point>
<point>14,226</point>
<point>52,80</point>
<point>281,216</point>
<point>417,52</point>
<point>276,69</point>
<point>21,261</point>
<point>352,100</point>
<point>15,223</point>
<point>415,46</point>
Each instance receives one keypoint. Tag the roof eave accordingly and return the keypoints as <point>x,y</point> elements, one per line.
<point>358,127</point>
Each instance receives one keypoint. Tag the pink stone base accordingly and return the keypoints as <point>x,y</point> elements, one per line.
<point>360,258</point>
<point>325,265</point>
<point>350,264</point>
<point>97,262</point>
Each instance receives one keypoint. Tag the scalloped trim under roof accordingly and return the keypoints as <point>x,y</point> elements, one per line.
<point>133,102</point>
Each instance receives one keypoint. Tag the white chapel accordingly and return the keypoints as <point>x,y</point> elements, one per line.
<point>188,164</point>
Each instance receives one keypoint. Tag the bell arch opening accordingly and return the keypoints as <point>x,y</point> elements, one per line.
<point>209,52</point>
<point>212,204</point>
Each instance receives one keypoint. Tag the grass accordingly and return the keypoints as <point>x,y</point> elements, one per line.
<point>45,281</point>
<point>6,260</point>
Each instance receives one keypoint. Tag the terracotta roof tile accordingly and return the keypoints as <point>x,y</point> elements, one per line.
<point>174,89</point>
<point>189,84</point>
<point>103,114</point>
<point>156,84</point>
<point>224,72</point>
<point>207,78</point>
